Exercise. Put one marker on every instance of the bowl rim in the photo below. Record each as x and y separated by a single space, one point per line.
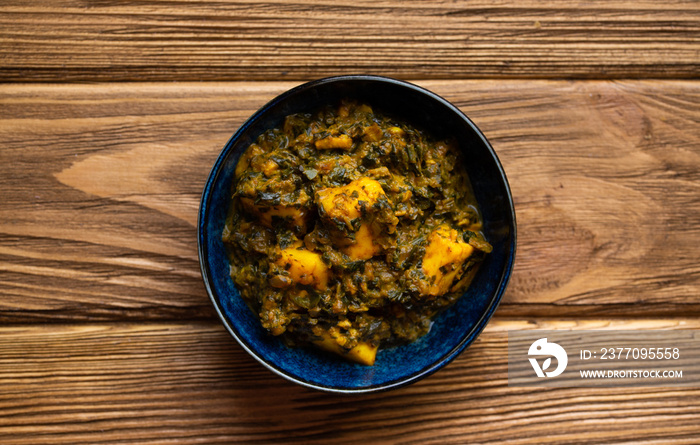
468 338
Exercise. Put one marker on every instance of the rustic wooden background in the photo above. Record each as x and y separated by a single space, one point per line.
112 113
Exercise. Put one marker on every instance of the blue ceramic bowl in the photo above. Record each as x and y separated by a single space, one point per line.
453 330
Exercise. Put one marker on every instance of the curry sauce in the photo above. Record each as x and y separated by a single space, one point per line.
351 230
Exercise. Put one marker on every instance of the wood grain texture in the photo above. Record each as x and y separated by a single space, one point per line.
271 40
101 186
190 383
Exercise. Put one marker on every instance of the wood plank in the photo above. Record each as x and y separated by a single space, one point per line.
70 40
100 188
190 383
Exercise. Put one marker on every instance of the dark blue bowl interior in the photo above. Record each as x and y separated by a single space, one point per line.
454 329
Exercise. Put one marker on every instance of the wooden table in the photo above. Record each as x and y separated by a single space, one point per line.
112 113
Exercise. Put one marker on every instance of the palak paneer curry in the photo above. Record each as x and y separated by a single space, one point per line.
350 230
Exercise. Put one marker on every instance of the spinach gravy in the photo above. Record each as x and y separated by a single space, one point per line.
350 230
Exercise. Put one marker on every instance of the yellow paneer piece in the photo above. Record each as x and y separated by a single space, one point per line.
444 256
297 217
304 266
363 353
269 168
342 141
346 202
364 247
397 131
373 133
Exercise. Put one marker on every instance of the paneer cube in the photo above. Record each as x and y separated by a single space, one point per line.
372 133
304 266
364 353
350 201
397 131
364 246
353 206
343 141
444 256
